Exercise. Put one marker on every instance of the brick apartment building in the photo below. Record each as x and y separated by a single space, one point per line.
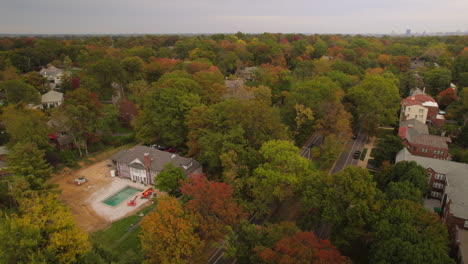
415 136
449 183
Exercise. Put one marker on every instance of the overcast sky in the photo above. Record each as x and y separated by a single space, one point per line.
214 16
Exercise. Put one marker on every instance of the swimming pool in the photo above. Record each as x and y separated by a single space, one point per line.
120 196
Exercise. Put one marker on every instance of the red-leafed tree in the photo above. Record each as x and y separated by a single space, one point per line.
128 111
213 204
447 97
303 247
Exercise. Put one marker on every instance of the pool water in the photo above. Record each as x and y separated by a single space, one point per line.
121 196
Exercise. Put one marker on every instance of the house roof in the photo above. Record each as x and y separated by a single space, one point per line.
52 97
51 71
158 158
420 99
456 174
417 132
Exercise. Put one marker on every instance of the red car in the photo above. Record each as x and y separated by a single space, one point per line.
172 150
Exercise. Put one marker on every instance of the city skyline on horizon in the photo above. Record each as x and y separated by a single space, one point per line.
211 16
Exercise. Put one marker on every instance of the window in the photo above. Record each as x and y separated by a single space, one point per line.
438 185
439 176
437 195
420 116
421 111
425 150
414 148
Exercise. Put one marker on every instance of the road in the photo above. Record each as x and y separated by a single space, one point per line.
346 157
315 140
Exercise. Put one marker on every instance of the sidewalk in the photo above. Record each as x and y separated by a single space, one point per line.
369 146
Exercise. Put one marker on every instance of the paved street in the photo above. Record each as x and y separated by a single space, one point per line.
346 157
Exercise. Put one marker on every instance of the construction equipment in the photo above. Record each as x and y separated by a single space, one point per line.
146 194
80 180
132 202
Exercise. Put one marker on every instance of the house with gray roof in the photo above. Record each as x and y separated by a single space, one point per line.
449 183
143 164
53 75
51 99
415 136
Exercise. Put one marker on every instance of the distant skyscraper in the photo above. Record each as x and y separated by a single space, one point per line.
408 32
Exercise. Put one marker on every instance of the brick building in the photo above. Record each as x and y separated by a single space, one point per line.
415 136
423 108
449 183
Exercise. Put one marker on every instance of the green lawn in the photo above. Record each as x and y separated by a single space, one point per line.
363 154
118 239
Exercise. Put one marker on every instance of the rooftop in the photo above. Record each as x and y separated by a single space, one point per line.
417 132
158 158
52 97
456 174
420 99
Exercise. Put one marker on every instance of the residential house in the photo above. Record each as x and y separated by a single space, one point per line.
415 136
449 183
53 75
143 164
51 99
423 108
247 73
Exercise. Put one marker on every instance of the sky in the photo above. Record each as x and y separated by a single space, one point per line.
226 16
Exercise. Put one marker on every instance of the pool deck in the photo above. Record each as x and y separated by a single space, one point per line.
111 213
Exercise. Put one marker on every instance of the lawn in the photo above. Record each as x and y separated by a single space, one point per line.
363 154
121 237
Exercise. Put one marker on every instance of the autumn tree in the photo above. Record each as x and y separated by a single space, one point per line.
213 204
168 234
42 231
139 89
377 101
406 232
170 179
25 125
300 247
78 117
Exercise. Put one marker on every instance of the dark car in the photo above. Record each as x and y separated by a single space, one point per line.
354 136
160 147
357 154
172 150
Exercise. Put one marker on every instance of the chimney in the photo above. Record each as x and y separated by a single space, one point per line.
147 160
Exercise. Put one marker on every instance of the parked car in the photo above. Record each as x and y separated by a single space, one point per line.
357 154
354 136
160 147
172 150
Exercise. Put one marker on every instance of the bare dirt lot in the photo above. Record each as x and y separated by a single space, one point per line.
77 197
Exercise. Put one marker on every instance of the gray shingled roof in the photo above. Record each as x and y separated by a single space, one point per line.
430 140
418 133
158 158
457 178
416 125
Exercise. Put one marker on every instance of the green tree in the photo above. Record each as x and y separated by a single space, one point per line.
386 149
377 101
408 233
280 176
403 191
170 179
134 68
437 80
139 89
17 91
42 231
342 206
25 125
405 171
163 116
27 162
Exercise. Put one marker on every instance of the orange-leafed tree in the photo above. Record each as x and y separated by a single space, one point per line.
213 204
168 234
303 247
